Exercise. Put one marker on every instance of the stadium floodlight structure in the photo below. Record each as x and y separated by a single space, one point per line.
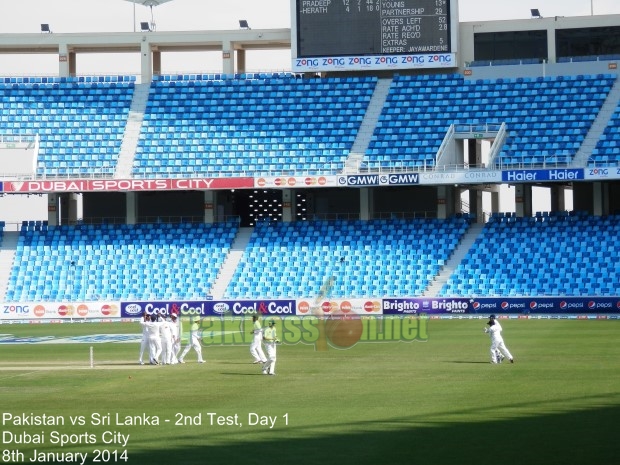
145 26
243 24
45 28
535 13
150 4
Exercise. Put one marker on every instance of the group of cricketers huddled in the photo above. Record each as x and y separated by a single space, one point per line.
161 338
161 335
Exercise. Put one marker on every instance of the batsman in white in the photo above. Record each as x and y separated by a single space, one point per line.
271 339
497 341
256 347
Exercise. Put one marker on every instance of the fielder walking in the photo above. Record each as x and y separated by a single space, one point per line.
498 347
271 339
256 347
193 342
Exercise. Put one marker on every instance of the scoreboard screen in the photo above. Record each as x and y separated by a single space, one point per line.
326 32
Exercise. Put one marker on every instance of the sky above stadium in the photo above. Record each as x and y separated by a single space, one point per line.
66 16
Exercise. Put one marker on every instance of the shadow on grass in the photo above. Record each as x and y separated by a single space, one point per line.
466 361
232 373
579 437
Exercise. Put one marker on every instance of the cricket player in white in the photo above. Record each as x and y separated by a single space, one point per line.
175 327
271 339
152 328
497 341
256 348
166 342
144 344
194 342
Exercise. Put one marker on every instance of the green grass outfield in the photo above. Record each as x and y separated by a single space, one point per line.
434 402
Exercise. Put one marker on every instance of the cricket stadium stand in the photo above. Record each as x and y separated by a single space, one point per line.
563 113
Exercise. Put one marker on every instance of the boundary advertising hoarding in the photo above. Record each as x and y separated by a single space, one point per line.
426 178
325 308
39 311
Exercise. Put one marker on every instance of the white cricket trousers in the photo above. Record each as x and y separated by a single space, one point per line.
270 366
499 345
256 348
194 343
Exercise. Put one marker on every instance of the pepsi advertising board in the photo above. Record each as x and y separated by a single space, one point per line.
545 305
506 305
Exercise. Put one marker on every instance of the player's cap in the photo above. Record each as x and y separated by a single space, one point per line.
272 322
173 315
492 317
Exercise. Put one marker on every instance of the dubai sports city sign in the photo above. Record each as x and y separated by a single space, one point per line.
427 178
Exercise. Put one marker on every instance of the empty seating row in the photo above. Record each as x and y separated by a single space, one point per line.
361 258
538 255
268 112
114 262
540 113
422 105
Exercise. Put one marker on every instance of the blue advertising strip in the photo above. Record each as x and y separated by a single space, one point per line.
209 308
392 306
546 305
434 306
505 305
559 175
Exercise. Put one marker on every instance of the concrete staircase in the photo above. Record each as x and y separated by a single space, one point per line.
582 156
367 127
457 256
230 263
7 257
132 131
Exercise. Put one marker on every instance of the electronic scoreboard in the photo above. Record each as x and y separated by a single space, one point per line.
332 35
